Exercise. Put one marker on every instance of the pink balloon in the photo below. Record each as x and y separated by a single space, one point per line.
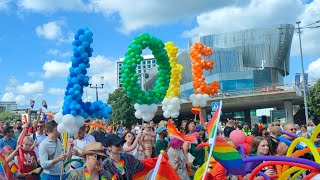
238 137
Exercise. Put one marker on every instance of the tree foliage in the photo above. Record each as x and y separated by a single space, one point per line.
122 108
7 116
314 98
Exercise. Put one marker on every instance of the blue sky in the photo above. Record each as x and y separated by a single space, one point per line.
35 36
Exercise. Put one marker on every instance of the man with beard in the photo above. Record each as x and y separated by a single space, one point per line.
18 129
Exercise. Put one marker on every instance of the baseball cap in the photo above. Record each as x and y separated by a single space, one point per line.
113 139
161 129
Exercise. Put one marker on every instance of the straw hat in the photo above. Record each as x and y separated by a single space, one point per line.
94 148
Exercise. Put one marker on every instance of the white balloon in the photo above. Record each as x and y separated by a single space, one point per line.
171 108
199 97
58 117
68 120
177 108
73 130
138 114
147 117
195 104
175 100
192 97
206 97
175 114
203 103
136 106
166 114
165 101
154 108
164 108
61 128
79 121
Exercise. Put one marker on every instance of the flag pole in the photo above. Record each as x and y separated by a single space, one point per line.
212 142
156 168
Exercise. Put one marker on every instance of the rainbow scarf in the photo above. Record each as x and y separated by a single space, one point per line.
213 123
87 174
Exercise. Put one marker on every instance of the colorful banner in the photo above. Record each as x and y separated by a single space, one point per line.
297 84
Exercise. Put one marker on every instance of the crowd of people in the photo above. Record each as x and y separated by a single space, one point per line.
37 151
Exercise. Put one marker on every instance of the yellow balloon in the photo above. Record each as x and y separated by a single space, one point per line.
288 172
176 71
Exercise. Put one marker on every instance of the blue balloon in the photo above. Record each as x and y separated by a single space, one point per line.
78 107
82 66
77 54
73 113
77 70
81 49
80 31
71 91
85 55
88 33
77 93
80 77
82 38
74 80
76 36
85 44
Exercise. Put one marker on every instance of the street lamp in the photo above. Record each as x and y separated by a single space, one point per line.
302 67
96 87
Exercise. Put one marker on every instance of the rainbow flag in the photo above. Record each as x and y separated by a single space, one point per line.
179 135
195 110
212 125
14 168
165 171
228 157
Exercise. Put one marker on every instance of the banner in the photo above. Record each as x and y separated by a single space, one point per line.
297 84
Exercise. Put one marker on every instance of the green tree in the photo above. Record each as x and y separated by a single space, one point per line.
314 98
7 116
122 108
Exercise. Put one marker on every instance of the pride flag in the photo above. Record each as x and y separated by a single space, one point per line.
14 168
195 110
228 157
165 171
179 135
213 123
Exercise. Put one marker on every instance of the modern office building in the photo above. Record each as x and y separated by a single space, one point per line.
244 61
147 64
9 105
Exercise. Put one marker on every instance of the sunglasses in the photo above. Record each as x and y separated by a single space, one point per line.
98 157
293 129
39 126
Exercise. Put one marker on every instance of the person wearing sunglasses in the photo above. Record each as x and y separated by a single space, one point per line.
39 136
94 153
119 165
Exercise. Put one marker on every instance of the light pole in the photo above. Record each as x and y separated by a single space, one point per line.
302 67
96 86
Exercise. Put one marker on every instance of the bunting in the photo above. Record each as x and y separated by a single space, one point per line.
32 103
44 104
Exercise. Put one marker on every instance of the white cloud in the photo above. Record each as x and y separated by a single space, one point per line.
310 37
257 13
56 69
8 96
56 91
260 13
313 70
4 4
21 100
52 5
59 53
50 30
31 88
137 14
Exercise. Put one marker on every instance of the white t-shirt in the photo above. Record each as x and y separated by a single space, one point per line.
38 139
133 152
182 170
79 145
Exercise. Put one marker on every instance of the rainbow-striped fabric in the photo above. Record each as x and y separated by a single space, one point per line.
213 123
228 157
179 135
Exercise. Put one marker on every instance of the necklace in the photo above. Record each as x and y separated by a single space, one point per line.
119 169
87 174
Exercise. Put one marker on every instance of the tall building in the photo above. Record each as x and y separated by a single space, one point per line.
9 105
147 64
245 60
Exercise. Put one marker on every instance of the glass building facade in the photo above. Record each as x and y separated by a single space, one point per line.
244 61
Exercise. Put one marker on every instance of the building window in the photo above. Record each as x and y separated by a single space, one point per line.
148 62
153 61
149 66
139 71
144 62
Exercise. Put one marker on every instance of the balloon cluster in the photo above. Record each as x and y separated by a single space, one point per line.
74 110
198 64
129 78
171 107
171 102
145 112
199 100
